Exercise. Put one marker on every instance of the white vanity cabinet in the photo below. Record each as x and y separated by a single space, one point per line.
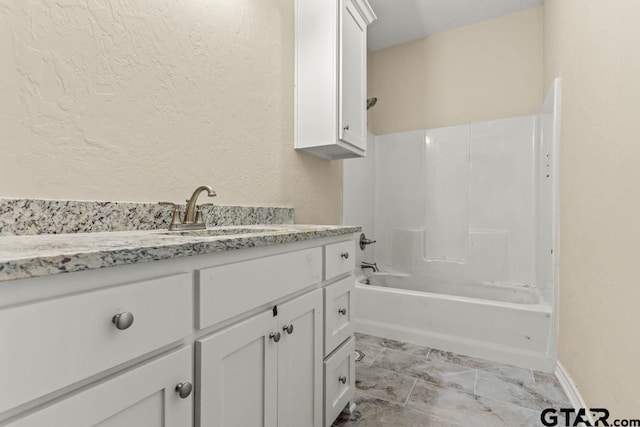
227 339
331 77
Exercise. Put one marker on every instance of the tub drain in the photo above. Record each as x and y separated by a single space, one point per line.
358 355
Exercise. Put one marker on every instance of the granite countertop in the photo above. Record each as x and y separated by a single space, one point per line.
41 255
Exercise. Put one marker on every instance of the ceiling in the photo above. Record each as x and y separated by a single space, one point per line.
400 21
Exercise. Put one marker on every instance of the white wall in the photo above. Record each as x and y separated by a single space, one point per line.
593 46
145 100
484 71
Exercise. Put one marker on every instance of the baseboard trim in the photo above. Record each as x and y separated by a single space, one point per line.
569 387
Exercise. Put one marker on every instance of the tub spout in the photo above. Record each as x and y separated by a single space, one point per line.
372 265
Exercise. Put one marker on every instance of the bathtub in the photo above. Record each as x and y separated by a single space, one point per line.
501 323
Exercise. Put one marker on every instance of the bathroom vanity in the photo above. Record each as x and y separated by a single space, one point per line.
220 329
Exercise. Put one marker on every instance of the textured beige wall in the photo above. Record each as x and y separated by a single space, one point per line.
593 46
484 71
145 100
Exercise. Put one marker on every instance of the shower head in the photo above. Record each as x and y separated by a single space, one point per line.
371 102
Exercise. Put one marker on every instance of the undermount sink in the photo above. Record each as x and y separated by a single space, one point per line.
222 231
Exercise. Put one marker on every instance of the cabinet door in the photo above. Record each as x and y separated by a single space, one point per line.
300 362
238 375
353 45
144 396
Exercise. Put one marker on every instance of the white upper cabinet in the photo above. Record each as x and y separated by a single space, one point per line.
331 77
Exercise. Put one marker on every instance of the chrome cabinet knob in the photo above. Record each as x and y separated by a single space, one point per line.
275 336
123 320
345 255
342 311
184 389
288 328
343 380
346 127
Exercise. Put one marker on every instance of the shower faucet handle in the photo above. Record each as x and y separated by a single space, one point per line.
364 241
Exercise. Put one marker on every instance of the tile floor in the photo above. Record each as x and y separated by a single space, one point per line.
400 384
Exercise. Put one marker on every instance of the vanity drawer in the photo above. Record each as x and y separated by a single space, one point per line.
339 381
230 290
338 325
339 258
51 344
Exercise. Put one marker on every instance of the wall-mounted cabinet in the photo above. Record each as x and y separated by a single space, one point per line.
331 77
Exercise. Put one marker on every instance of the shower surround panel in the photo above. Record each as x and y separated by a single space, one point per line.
457 204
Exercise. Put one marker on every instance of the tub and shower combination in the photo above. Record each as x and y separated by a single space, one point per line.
465 222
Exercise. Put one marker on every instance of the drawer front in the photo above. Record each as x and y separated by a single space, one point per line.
339 381
55 343
338 325
339 259
229 290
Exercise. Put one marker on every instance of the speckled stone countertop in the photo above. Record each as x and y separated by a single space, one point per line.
41 216
42 255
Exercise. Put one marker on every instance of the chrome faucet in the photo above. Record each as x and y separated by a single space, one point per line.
372 265
192 219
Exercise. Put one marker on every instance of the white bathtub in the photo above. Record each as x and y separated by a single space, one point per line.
516 294
515 330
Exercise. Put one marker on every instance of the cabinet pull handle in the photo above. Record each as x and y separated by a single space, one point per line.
343 380
123 320
275 336
184 389
342 311
288 328
345 255
346 127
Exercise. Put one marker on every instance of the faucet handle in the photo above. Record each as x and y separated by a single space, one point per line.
364 241
176 216
175 219
199 215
